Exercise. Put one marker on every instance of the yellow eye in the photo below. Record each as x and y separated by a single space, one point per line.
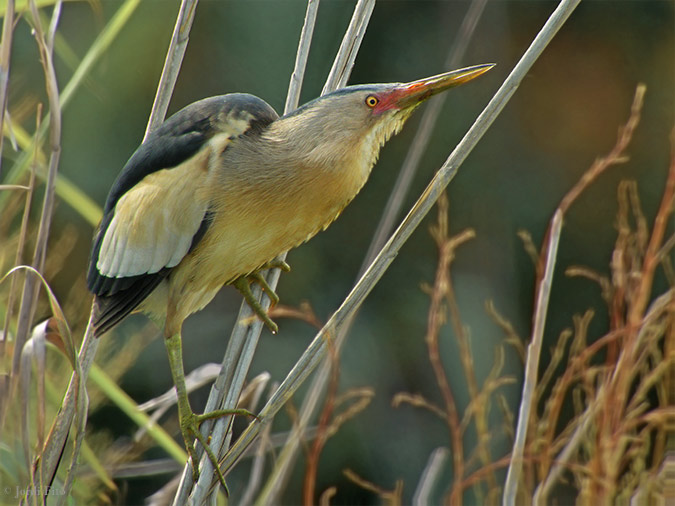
371 101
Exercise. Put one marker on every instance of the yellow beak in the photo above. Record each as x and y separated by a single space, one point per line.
411 94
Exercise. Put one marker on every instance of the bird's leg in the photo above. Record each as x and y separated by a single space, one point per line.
188 420
243 284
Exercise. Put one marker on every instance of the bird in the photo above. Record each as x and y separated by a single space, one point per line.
223 187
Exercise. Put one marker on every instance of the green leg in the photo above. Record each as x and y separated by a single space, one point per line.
243 284
189 421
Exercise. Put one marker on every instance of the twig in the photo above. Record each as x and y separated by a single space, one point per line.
316 351
615 156
532 362
418 401
651 259
303 313
172 64
99 46
5 58
298 75
430 476
76 392
620 381
391 497
18 260
436 319
31 286
447 246
346 55
540 497
284 463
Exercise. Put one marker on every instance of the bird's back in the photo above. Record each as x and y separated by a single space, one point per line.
157 210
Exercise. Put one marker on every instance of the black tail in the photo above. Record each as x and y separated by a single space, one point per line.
112 309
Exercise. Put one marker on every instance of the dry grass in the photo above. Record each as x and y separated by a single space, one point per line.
614 447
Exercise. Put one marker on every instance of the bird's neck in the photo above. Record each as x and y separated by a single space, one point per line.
325 149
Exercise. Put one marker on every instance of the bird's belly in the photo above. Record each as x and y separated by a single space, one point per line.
254 223
236 245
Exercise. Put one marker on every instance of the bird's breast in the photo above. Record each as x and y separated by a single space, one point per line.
255 219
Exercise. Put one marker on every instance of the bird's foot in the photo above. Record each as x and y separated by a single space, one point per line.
243 284
189 427
276 264
189 421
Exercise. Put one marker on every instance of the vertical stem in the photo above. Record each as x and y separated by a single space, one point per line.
53 448
532 362
298 75
339 73
51 454
434 324
351 42
5 57
18 260
244 339
31 285
172 64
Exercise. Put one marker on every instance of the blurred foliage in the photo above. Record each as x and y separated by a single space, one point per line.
564 115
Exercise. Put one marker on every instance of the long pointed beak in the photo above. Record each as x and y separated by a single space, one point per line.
411 94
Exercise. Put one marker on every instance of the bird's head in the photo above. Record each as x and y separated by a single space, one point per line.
360 119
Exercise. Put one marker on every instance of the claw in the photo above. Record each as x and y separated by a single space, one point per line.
276 264
243 284
256 277
189 426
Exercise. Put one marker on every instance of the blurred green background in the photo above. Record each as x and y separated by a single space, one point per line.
564 115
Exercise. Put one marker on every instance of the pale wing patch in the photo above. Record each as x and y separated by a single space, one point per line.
155 221
231 126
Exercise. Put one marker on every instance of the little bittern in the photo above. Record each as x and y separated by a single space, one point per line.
223 187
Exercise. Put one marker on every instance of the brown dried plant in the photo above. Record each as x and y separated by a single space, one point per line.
616 445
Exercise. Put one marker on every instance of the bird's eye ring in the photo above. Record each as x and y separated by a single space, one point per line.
371 101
